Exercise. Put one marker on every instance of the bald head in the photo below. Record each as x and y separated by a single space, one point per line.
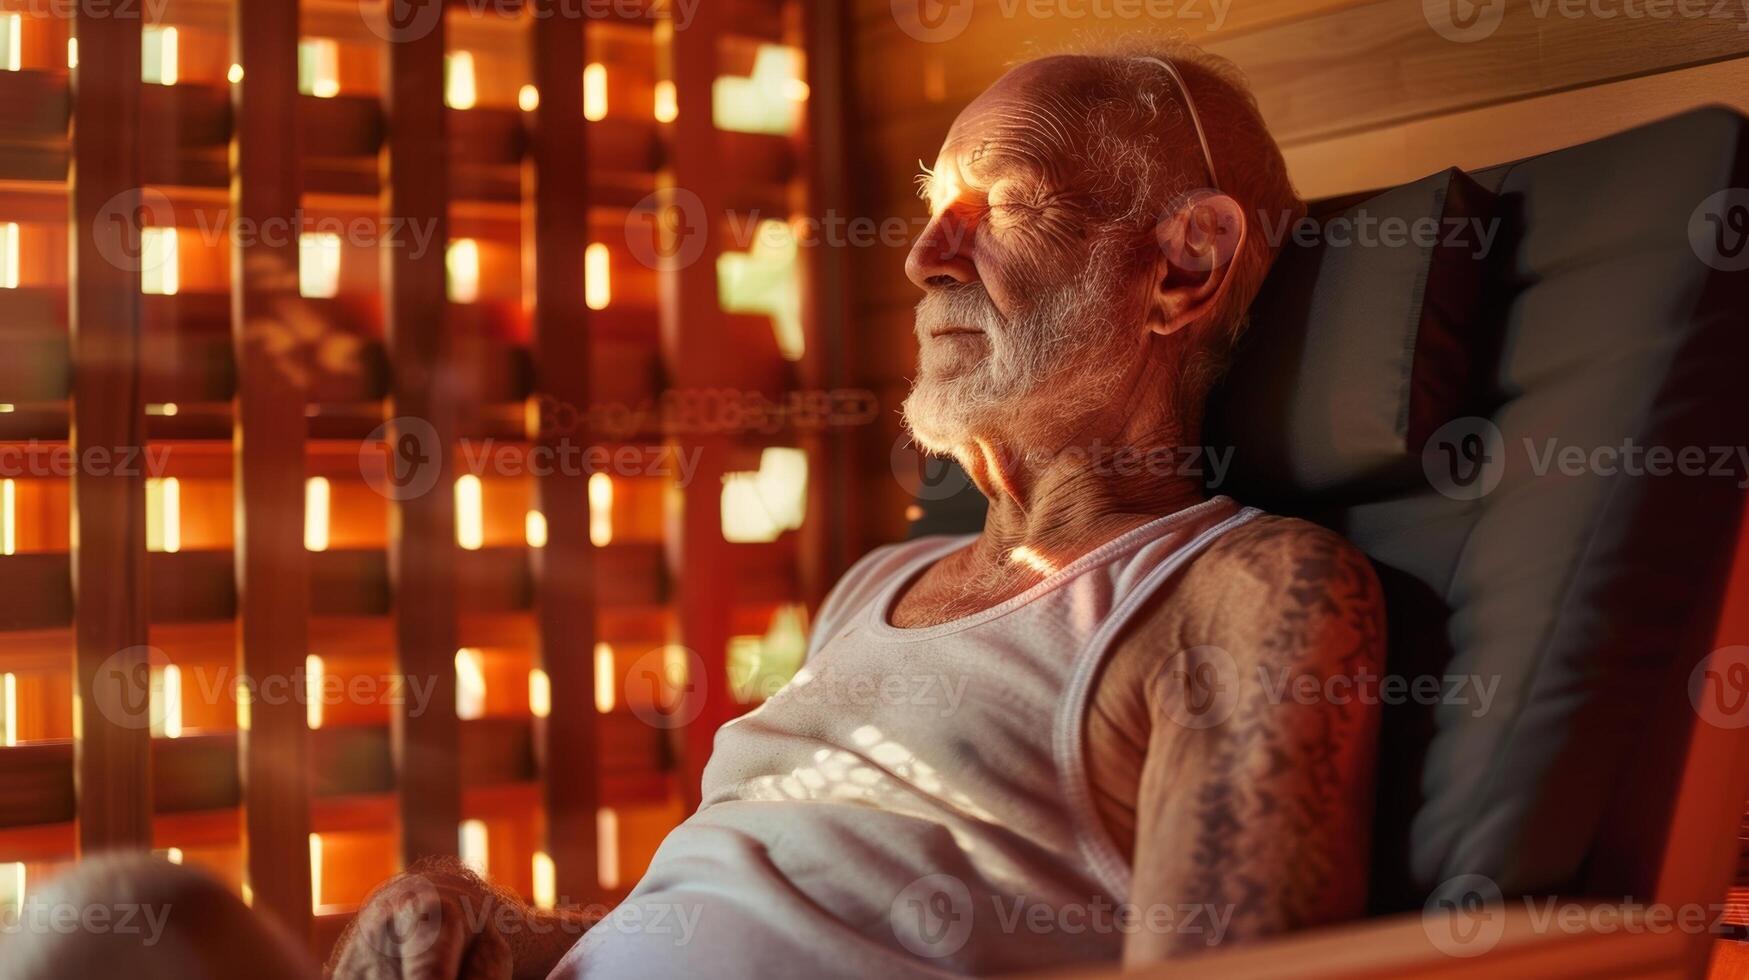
1075 232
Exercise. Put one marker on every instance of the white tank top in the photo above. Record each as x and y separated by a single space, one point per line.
915 801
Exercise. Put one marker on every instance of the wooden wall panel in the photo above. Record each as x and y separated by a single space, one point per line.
695 351
565 594
833 501
254 388
423 549
112 769
1477 138
272 574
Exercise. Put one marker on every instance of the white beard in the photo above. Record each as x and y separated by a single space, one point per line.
1038 376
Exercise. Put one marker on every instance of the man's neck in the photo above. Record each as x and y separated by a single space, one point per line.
1045 511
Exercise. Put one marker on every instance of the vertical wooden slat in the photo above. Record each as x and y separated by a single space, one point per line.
565 584
112 767
827 548
268 435
694 350
422 549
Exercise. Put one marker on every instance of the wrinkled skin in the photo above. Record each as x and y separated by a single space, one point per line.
440 921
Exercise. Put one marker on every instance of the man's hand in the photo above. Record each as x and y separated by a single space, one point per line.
441 921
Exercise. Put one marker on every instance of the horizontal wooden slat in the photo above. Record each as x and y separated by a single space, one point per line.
39 784
1355 67
349 582
186 353
198 771
1510 131
341 138
196 586
765 572
190 586
38 592
476 27
366 813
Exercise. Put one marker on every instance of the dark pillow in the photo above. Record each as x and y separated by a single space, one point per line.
1362 342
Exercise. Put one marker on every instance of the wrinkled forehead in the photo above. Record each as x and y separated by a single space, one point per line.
1033 119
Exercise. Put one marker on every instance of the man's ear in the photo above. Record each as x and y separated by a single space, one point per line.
1198 238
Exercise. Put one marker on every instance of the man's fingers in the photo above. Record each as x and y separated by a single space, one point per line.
428 934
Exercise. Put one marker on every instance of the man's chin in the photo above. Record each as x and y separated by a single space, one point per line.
935 422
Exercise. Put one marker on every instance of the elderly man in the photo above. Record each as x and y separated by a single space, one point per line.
1124 772
1083 734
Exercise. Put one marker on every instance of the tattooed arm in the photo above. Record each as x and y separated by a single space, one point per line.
1255 797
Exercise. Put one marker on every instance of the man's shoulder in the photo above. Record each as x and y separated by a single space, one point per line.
1270 553
1269 584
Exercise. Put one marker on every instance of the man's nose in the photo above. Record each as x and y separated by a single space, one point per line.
942 254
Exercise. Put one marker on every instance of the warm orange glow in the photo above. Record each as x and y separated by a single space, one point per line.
160 262
474 845
1025 555
606 678
8 517
607 840
941 186
316 501
8 709
545 881
164 514
597 289
540 693
667 105
315 872
8 255
470 684
470 524
463 263
315 675
158 55
11 42
319 67
459 91
595 92
600 509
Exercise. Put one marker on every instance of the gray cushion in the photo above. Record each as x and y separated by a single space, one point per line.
1586 598
1393 285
